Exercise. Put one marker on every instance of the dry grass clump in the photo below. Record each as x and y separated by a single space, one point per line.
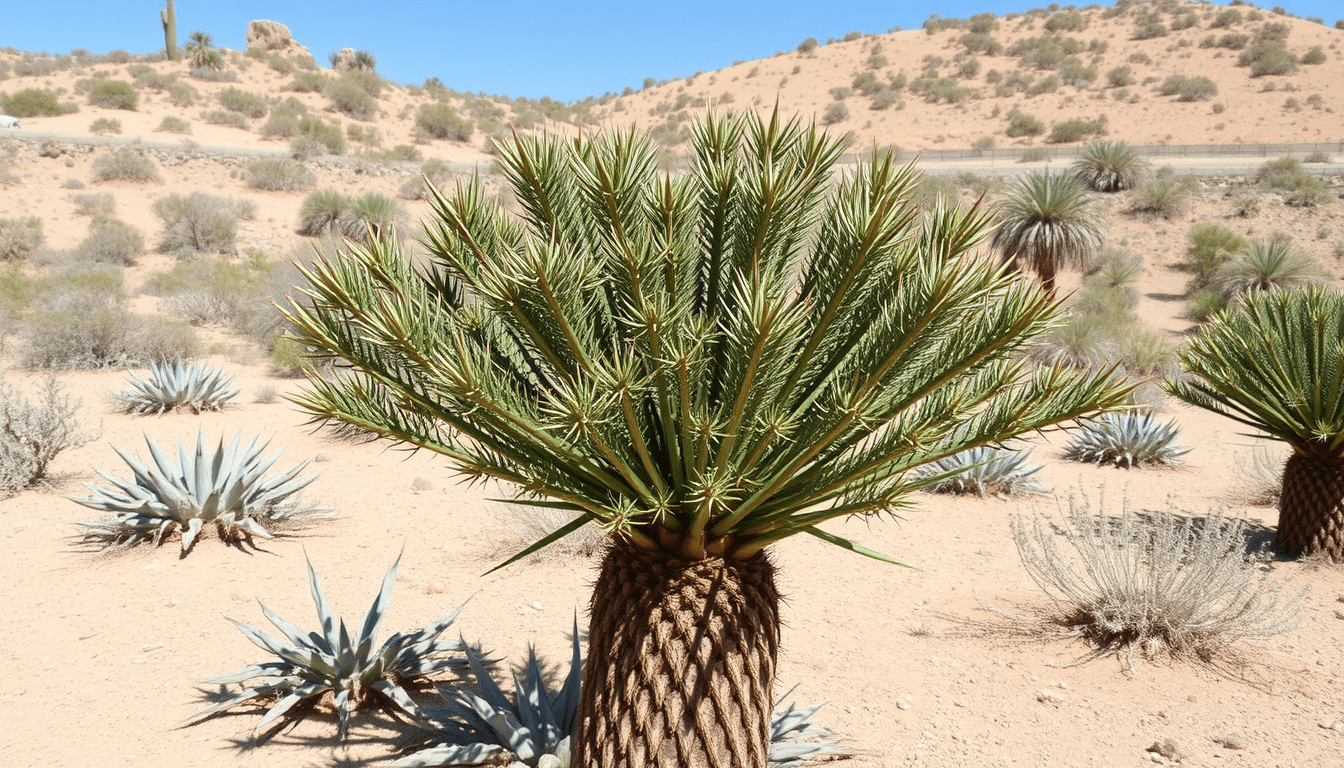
1259 474
20 237
112 241
94 204
525 525
1160 584
125 165
31 434
280 175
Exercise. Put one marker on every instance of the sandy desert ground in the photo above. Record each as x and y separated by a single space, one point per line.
105 652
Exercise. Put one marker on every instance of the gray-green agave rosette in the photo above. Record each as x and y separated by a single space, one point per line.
1127 439
226 486
178 385
352 669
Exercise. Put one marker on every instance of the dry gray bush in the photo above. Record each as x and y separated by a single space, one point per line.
94 204
197 222
125 165
204 307
20 237
525 525
1259 474
90 328
31 434
1162 584
265 394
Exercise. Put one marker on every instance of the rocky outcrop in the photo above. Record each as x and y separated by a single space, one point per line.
274 36
344 60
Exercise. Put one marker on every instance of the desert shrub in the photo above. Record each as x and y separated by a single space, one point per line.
367 80
1267 56
112 241
307 82
1034 155
984 471
883 99
197 223
284 120
404 153
90 332
94 204
1204 304
1157 585
1048 84
288 358
182 94
371 214
1259 475
1317 157
1149 26
279 175
1183 21
105 125
172 124
213 74
1302 189
33 433
1264 265
442 122
1066 21
1196 88
835 112
415 189
1211 245
113 94
521 523
1167 197
32 102
322 212
245 103
1227 17
1076 130
1023 124
20 237
348 98
328 136
125 165
807 46
977 43
223 117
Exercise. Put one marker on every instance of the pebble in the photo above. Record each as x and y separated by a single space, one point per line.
1168 748
174 602
421 484
536 605
903 706
1337 726
152 565
548 761
1050 697
1232 741
322 457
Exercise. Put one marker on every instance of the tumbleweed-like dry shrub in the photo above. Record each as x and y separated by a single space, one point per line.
1156 584
31 434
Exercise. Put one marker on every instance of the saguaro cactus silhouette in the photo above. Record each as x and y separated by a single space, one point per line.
169 18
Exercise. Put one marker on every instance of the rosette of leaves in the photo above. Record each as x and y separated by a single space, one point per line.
986 470
1127 439
536 728
350 668
226 487
178 385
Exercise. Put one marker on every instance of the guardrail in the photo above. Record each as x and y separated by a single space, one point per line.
1013 154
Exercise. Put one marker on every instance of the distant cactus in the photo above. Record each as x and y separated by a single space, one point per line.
169 18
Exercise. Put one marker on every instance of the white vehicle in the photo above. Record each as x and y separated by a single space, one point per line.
8 122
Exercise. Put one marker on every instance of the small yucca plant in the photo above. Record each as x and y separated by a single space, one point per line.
1109 166
488 728
984 471
1127 439
332 662
178 385
1161 584
1267 264
226 486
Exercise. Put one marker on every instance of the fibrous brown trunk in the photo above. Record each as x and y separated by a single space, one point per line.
681 662
1311 507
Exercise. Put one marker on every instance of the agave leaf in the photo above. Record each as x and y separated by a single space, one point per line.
368 632
286 703
452 755
489 690
293 633
189 534
266 668
397 695
342 704
247 695
324 614
566 702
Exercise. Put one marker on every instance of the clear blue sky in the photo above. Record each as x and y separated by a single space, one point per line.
565 50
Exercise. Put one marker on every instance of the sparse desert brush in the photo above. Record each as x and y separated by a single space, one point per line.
279 175
1164 197
178 384
1196 88
322 212
1259 474
442 122
214 74
1314 57
1034 155
1023 124
225 487
125 165
1204 304
1145 352
1211 246
370 216
1109 166
1127 439
224 117
1266 264
326 135
19 238
105 125
1070 131
172 124
524 523
434 171
1246 205
112 241
89 333
1301 189
253 105
1160 584
983 471
284 120
1268 55
33 102
349 98
353 671
113 94
1120 77
307 82
1317 157
197 222
288 358
265 394
32 434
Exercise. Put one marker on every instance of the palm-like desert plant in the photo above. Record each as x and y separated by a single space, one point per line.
201 48
178 385
1266 264
703 364
225 486
1049 222
351 669
1109 166
1277 366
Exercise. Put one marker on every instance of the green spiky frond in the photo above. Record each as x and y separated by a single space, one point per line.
1276 366
703 363
1049 222
1109 166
